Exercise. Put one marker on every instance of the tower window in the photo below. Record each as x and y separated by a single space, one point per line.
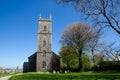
45 28
44 53
44 43
43 64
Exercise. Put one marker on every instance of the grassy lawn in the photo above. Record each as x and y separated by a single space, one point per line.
6 74
69 76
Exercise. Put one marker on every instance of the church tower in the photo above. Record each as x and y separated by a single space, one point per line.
44 59
44 34
44 55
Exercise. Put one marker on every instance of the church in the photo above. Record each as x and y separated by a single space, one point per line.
44 59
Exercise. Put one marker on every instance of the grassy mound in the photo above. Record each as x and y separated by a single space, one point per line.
69 76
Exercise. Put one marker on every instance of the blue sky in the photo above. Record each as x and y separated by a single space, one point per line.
19 27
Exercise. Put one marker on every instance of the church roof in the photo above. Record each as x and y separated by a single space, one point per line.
55 54
41 52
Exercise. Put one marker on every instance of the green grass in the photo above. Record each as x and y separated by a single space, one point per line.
6 74
69 76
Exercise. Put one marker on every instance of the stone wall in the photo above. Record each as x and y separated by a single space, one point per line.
40 59
44 35
32 63
55 62
36 62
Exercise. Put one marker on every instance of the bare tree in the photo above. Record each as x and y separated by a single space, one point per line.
103 12
99 57
93 45
77 36
112 52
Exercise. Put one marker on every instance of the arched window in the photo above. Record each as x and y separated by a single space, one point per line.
45 28
44 43
43 64
44 53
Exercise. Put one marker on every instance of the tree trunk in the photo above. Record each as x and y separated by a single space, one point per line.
93 56
80 59
68 67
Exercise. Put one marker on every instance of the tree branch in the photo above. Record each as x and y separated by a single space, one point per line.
109 22
116 22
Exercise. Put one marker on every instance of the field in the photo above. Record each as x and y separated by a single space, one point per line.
69 76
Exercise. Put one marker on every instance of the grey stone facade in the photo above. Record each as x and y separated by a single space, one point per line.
44 59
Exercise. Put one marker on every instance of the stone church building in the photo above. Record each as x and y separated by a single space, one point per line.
44 59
